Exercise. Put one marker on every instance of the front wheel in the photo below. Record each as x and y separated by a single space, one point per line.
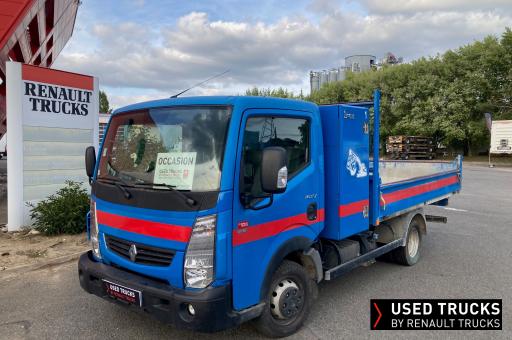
288 301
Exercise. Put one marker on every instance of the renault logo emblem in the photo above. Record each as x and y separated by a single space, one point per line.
133 252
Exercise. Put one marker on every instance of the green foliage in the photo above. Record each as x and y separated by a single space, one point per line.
443 96
104 104
63 212
279 93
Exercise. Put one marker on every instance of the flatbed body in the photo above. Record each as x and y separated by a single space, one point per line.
407 185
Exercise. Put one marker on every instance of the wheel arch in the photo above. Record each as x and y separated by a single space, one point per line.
419 217
296 249
422 222
398 227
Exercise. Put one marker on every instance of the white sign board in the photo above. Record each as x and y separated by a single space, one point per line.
52 117
176 169
501 137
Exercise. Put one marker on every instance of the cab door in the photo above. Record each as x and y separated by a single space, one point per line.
262 224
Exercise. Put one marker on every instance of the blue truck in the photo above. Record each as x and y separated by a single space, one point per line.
207 212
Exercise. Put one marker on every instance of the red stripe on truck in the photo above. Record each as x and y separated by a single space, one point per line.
419 189
145 227
352 208
268 229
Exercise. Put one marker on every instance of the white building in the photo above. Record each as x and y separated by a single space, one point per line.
360 62
354 63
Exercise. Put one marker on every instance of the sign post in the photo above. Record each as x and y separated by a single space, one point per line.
52 117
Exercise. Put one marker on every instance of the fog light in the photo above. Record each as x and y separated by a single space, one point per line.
191 310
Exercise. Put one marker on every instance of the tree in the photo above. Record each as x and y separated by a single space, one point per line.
443 96
279 93
104 104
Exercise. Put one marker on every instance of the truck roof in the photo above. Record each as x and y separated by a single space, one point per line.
242 101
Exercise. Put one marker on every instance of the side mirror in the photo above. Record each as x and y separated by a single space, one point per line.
274 174
90 161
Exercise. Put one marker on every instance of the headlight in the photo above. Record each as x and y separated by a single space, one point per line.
200 256
94 232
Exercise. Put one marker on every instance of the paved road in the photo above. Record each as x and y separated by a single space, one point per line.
467 258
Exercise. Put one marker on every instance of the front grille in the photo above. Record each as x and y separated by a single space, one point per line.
147 255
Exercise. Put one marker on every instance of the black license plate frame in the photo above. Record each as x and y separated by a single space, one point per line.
122 293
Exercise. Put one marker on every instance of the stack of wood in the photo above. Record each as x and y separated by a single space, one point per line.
410 147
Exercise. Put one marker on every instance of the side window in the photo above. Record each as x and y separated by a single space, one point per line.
261 132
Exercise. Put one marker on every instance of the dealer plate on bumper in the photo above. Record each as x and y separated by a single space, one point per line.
123 293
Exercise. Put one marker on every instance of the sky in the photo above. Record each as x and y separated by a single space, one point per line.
147 49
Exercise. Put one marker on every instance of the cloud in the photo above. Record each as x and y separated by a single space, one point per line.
119 100
164 59
415 6
325 6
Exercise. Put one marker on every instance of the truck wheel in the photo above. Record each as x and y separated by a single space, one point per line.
288 301
410 254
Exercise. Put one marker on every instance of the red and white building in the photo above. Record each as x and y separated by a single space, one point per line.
32 32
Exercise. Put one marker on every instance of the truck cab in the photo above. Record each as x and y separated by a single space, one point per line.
210 211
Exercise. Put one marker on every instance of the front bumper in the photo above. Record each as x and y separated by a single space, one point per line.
212 305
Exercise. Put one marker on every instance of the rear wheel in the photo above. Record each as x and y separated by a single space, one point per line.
288 301
410 253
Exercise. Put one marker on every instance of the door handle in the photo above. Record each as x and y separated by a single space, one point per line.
311 212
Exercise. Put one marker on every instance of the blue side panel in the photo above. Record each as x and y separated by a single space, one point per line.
346 150
266 231
223 267
354 171
253 275
331 132
258 234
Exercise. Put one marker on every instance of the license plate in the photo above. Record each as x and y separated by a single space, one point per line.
123 293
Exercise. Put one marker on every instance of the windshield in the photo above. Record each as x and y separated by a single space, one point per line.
181 147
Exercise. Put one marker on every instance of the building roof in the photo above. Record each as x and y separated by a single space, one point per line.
33 32
361 55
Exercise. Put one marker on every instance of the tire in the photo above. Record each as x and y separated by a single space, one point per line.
290 278
410 254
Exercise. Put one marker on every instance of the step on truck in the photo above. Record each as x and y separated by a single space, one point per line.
207 212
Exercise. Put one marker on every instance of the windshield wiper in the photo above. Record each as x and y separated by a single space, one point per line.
120 184
188 200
